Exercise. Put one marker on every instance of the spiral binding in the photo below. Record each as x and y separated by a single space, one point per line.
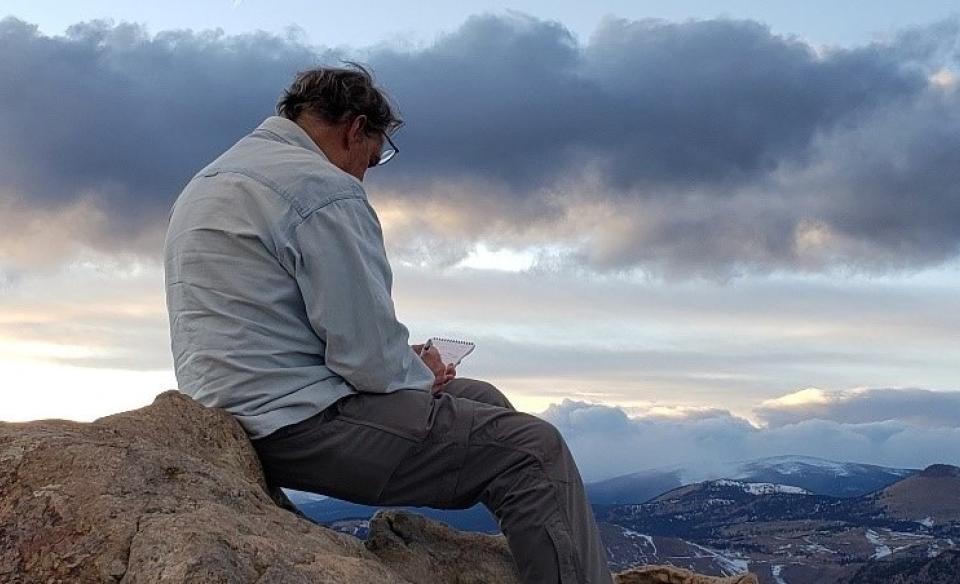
452 341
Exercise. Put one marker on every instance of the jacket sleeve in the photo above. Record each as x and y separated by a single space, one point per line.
343 274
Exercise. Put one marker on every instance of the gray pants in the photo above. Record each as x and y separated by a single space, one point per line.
449 451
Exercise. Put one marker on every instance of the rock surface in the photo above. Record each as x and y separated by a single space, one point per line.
424 551
173 492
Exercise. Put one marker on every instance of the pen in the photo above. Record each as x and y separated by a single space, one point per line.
426 346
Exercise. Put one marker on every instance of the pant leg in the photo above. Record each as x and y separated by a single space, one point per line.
444 451
520 468
477 390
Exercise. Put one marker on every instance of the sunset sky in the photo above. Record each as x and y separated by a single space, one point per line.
678 232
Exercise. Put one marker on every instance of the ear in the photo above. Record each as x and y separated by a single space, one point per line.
358 129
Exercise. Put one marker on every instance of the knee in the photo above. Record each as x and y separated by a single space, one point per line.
488 393
497 397
547 440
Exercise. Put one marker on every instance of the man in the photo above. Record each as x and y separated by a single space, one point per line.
279 297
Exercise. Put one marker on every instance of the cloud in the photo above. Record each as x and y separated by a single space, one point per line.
705 147
607 442
656 104
113 318
111 114
919 407
710 147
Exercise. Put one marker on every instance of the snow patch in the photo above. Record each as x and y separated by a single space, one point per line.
926 521
777 578
730 564
881 550
818 548
642 536
797 464
762 488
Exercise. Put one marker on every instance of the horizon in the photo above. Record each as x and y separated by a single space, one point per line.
673 235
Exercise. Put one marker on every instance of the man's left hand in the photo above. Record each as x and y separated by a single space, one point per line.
449 374
441 371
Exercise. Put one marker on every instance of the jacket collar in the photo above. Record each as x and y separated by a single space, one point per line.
288 131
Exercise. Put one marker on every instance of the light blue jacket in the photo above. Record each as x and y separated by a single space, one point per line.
278 287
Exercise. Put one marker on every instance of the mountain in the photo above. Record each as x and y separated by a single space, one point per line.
786 534
637 487
820 476
817 475
699 510
931 497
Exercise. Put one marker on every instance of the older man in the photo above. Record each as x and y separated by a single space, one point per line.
279 297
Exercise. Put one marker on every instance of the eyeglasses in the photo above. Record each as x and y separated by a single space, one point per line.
388 153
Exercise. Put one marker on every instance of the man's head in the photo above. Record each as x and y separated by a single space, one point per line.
344 113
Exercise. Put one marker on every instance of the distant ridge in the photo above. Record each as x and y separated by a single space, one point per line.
940 471
816 475
931 497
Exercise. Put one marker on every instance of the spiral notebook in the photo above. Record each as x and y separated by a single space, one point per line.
452 351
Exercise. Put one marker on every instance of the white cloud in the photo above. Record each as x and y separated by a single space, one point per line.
916 406
802 397
99 311
607 442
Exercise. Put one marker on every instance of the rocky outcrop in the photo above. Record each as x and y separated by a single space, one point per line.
173 492
424 551
168 493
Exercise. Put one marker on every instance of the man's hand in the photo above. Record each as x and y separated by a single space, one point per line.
441 371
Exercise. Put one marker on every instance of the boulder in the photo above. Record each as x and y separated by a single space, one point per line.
173 492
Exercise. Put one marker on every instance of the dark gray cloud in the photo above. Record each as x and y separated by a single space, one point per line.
113 111
655 104
711 147
919 407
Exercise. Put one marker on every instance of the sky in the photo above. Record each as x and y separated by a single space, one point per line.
678 231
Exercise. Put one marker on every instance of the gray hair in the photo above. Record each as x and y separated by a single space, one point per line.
334 94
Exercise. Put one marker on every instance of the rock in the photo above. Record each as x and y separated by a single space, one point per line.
174 492
671 575
427 552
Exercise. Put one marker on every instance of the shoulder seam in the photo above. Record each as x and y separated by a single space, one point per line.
273 186
260 179
331 199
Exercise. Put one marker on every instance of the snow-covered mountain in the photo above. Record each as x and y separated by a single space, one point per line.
816 475
820 476
788 535
303 497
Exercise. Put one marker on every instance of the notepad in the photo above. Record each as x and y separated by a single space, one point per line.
452 351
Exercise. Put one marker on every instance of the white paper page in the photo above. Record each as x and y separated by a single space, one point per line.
452 350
